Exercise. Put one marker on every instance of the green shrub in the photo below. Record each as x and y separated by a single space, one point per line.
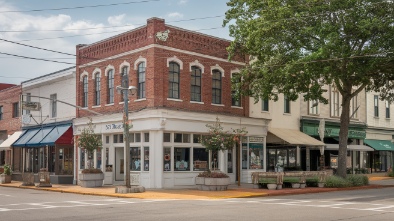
357 180
312 181
291 179
7 169
267 180
336 182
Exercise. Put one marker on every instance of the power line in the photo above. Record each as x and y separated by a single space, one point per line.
13 42
80 7
39 59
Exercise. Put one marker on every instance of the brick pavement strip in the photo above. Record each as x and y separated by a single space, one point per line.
233 192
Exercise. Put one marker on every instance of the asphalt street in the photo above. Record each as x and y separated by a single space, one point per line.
360 205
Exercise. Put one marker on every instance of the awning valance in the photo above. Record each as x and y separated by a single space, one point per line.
349 147
46 135
293 137
10 140
381 145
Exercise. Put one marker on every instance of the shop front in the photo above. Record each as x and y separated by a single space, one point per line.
6 150
358 155
165 149
382 159
47 147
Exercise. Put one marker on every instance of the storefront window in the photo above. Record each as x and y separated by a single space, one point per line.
167 159
81 159
146 158
98 159
135 158
230 161
137 137
146 137
200 159
196 138
272 160
256 156
182 159
292 157
281 159
167 137
215 160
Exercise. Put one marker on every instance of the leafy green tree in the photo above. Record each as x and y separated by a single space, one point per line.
297 46
89 141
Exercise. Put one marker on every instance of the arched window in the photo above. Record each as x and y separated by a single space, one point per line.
195 84
141 80
85 91
124 79
173 84
110 91
97 91
216 87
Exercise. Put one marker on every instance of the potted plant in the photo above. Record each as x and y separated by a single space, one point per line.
6 175
89 141
270 183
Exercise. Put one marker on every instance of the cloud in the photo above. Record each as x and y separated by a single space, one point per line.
182 2
116 20
175 15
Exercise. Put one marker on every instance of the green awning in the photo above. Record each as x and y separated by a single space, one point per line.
381 145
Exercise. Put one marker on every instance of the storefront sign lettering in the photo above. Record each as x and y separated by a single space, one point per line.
113 126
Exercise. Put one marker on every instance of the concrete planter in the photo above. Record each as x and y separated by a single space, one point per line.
45 179
321 185
90 180
27 179
272 186
295 185
302 185
279 187
212 184
5 178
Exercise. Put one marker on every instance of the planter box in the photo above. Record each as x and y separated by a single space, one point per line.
279 187
5 178
212 184
91 179
27 179
272 186
45 179
302 185
321 185
295 185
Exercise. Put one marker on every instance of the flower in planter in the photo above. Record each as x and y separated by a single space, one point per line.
89 141
7 170
214 174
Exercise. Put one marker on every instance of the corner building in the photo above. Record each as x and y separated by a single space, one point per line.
184 82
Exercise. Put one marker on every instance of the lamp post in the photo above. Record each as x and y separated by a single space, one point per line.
126 89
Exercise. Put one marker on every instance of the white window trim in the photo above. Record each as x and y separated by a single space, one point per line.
174 59
140 60
124 64
95 71
218 68
84 73
108 68
197 64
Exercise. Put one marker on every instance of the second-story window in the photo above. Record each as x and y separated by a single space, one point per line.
376 106
195 90
313 107
354 107
236 102
335 103
15 109
110 92
141 80
1 112
53 105
286 105
123 80
85 91
173 87
387 109
265 105
216 87
97 91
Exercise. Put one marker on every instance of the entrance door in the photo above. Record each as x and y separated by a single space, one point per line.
119 163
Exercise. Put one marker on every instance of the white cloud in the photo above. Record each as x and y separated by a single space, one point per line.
116 20
175 15
182 2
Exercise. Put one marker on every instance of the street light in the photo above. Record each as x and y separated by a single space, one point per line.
126 90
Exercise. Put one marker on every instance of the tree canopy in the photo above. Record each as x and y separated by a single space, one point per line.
297 46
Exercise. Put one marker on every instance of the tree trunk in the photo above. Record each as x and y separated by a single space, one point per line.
343 135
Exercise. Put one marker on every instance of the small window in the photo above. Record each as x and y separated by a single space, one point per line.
141 80
110 87
120 138
1 112
376 105
146 158
131 138
196 138
97 91
115 138
177 138
182 159
85 91
313 107
173 87
146 137
195 84
167 159
53 105
137 137
286 104
200 159
181 138
216 87
15 109
265 105
167 137
387 109
106 139
123 80
82 159
135 158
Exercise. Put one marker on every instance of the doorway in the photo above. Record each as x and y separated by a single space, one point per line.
119 164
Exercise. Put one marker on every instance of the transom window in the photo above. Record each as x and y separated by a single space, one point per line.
195 84
110 92
141 80
97 90
85 91
216 87
173 87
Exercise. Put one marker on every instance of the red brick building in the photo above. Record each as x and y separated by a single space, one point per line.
10 121
184 82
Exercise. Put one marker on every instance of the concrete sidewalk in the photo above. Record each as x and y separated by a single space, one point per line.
234 191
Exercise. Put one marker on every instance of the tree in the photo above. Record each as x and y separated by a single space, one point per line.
219 139
296 46
89 141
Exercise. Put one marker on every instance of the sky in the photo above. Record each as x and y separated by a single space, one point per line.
61 25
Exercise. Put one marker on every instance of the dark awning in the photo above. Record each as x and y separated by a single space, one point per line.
382 145
45 135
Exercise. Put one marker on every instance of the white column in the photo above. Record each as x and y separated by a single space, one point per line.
265 154
156 160
76 154
298 156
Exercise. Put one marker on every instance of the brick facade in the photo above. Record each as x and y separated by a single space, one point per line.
9 124
181 45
